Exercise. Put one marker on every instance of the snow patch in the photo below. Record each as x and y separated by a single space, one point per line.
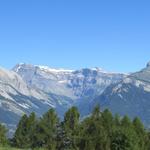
50 104
120 96
46 68
26 106
63 81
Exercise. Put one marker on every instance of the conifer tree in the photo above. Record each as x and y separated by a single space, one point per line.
20 137
23 137
71 124
46 130
3 138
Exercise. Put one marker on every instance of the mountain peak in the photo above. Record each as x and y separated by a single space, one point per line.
41 67
58 70
148 64
21 65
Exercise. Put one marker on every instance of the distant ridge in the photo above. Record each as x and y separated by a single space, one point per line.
27 88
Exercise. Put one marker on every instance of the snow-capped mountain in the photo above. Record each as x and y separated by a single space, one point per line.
28 88
73 84
131 96
17 98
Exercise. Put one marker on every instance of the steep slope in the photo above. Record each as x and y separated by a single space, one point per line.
16 98
130 96
29 88
11 85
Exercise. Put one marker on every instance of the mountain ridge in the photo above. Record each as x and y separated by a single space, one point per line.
131 96
28 88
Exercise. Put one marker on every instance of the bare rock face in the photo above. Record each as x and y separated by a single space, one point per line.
131 96
70 83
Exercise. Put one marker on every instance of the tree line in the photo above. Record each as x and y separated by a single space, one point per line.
98 131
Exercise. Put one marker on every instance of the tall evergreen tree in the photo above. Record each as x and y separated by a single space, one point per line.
96 113
117 120
71 124
140 131
20 136
71 119
23 137
108 121
3 138
46 130
93 134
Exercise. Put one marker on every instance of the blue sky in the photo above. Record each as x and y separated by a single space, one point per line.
73 34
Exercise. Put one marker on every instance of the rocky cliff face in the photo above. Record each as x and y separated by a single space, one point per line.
70 83
130 96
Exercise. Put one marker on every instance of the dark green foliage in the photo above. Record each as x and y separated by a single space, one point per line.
20 137
3 131
71 119
46 131
93 134
108 121
99 131
24 134
141 133
63 141
70 126
120 141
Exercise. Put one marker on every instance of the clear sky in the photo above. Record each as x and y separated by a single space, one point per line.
72 34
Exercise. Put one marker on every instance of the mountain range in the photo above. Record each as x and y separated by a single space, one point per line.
32 88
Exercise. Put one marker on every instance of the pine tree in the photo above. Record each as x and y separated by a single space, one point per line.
63 140
126 122
31 127
108 121
138 126
46 130
120 141
124 136
141 134
3 138
96 113
117 120
93 134
20 137
71 119
23 137
71 124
